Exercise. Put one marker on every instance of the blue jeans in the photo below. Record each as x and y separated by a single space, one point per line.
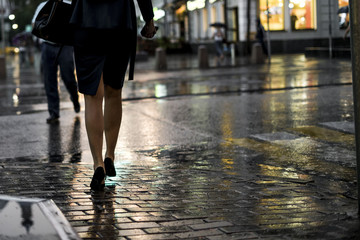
50 69
219 48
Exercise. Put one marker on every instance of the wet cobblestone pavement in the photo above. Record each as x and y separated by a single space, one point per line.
233 165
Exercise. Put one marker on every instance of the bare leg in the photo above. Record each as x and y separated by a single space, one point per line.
112 119
94 121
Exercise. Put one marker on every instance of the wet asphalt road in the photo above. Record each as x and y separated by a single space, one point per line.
252 151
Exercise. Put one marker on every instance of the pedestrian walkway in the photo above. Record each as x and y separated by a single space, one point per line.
265 186
253 152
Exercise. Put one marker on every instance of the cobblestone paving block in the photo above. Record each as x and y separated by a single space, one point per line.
199 234
137 225
170 229
210 225
154 237
182 222
131 232
153 219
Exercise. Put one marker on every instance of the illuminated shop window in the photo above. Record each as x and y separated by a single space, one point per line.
276 14
343 3
343 13
232 24
205 21
302 14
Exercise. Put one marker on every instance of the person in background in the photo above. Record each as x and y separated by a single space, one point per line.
260 35
219 37
50 64
103 48
293 19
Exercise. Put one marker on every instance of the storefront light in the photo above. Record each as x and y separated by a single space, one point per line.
158 14
212 1
180 10
272 11
196 4
302 13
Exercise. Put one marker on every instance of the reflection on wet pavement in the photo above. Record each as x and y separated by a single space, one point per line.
23 89
284 73
55 144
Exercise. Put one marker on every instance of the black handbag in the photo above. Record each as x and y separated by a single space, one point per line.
53 22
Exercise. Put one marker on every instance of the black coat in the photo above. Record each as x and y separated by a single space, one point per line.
112 14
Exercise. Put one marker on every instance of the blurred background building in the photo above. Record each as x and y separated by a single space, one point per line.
294 24
185 24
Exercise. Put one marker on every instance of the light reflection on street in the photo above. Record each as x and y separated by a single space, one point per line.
298 208
16 97
13 61
227 121
280 172
160 90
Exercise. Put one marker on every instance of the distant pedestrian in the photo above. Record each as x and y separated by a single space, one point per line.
24 41
260 35
65 61
22 53
293 20
219 37
103 48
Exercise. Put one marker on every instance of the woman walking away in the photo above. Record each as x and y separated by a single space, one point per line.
105 43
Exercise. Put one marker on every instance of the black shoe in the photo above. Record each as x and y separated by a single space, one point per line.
109 167
97 182
77 107
52 119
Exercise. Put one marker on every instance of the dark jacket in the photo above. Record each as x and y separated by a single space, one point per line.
112 14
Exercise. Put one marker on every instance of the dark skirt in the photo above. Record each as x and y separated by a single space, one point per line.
99 52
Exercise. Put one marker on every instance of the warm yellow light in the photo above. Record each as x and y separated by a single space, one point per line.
180 10
15 26
195 4
11 17
158 14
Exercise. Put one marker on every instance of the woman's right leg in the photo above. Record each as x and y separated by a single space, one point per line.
94 121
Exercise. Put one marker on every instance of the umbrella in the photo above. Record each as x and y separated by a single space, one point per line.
343 10
218 24
21 37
